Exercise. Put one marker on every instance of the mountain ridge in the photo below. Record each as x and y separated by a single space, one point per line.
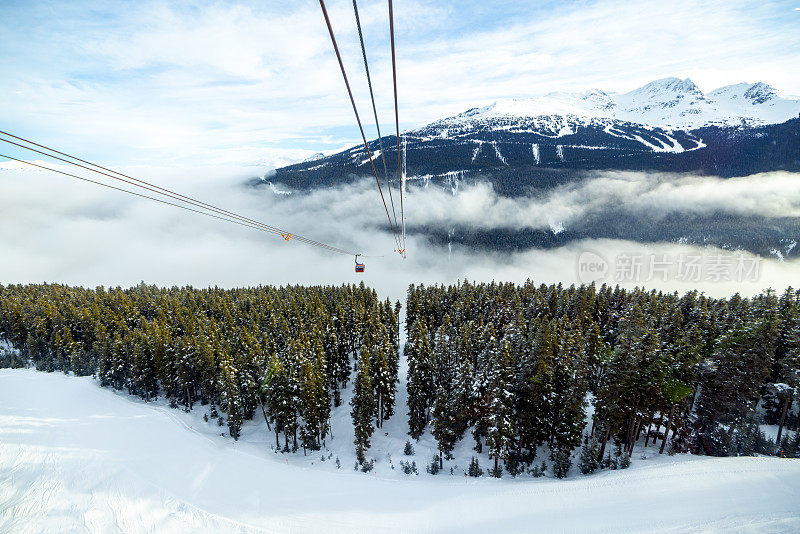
669 103
531 147
593 130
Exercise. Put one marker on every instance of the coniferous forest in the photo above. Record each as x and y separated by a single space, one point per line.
281 354
521 367
521 371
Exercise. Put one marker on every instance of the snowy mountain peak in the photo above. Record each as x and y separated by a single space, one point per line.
668 86
315 157
752 94
758 93
672 103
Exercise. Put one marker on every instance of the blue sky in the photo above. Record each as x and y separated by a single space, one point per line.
256 83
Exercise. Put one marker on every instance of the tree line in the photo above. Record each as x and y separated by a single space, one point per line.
520 370
525 367
283 354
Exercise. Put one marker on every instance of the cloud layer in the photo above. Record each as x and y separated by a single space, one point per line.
639 194
54 229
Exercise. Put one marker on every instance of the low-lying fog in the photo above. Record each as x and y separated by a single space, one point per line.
56 229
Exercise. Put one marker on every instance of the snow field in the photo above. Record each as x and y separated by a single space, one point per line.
77 457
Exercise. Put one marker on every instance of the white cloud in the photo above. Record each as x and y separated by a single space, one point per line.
651 195
210 82
54 229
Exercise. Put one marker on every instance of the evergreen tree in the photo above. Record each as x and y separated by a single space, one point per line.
590 456
743 359
384 378
500 434
420 378
475 468
280 403
569 387
364 406
314 401
230 401
446 408
562 461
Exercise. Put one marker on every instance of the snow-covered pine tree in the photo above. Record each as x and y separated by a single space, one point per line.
364 405
569 386
314 400
590 456
562 461
474 468
115 371
384 374
532 387
500 433
786 370
279 401
230 400
743 359
420 378
446 408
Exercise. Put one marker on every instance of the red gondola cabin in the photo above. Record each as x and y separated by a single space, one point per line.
359 266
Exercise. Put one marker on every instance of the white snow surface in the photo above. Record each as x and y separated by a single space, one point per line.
315 157
668 103
75 457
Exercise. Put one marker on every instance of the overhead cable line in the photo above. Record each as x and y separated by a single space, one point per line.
248 225
130 192
358 120
374 109
130 180
197 206
397 125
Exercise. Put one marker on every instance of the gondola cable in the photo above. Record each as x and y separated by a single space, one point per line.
397 125
252 226
260 227
374 109
133 193
126 178
358 120
160 190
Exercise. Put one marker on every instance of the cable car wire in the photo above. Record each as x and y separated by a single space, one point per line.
132 192
358 119
254 227
125 178
397 125
160 190
374 109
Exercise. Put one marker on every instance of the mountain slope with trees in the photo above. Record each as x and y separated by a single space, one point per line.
533 377
524 366
283 354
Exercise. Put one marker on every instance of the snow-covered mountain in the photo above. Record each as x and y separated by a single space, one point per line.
669 103
525 146
314 157
667 125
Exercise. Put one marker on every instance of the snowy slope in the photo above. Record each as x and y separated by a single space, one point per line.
77 457
668 103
